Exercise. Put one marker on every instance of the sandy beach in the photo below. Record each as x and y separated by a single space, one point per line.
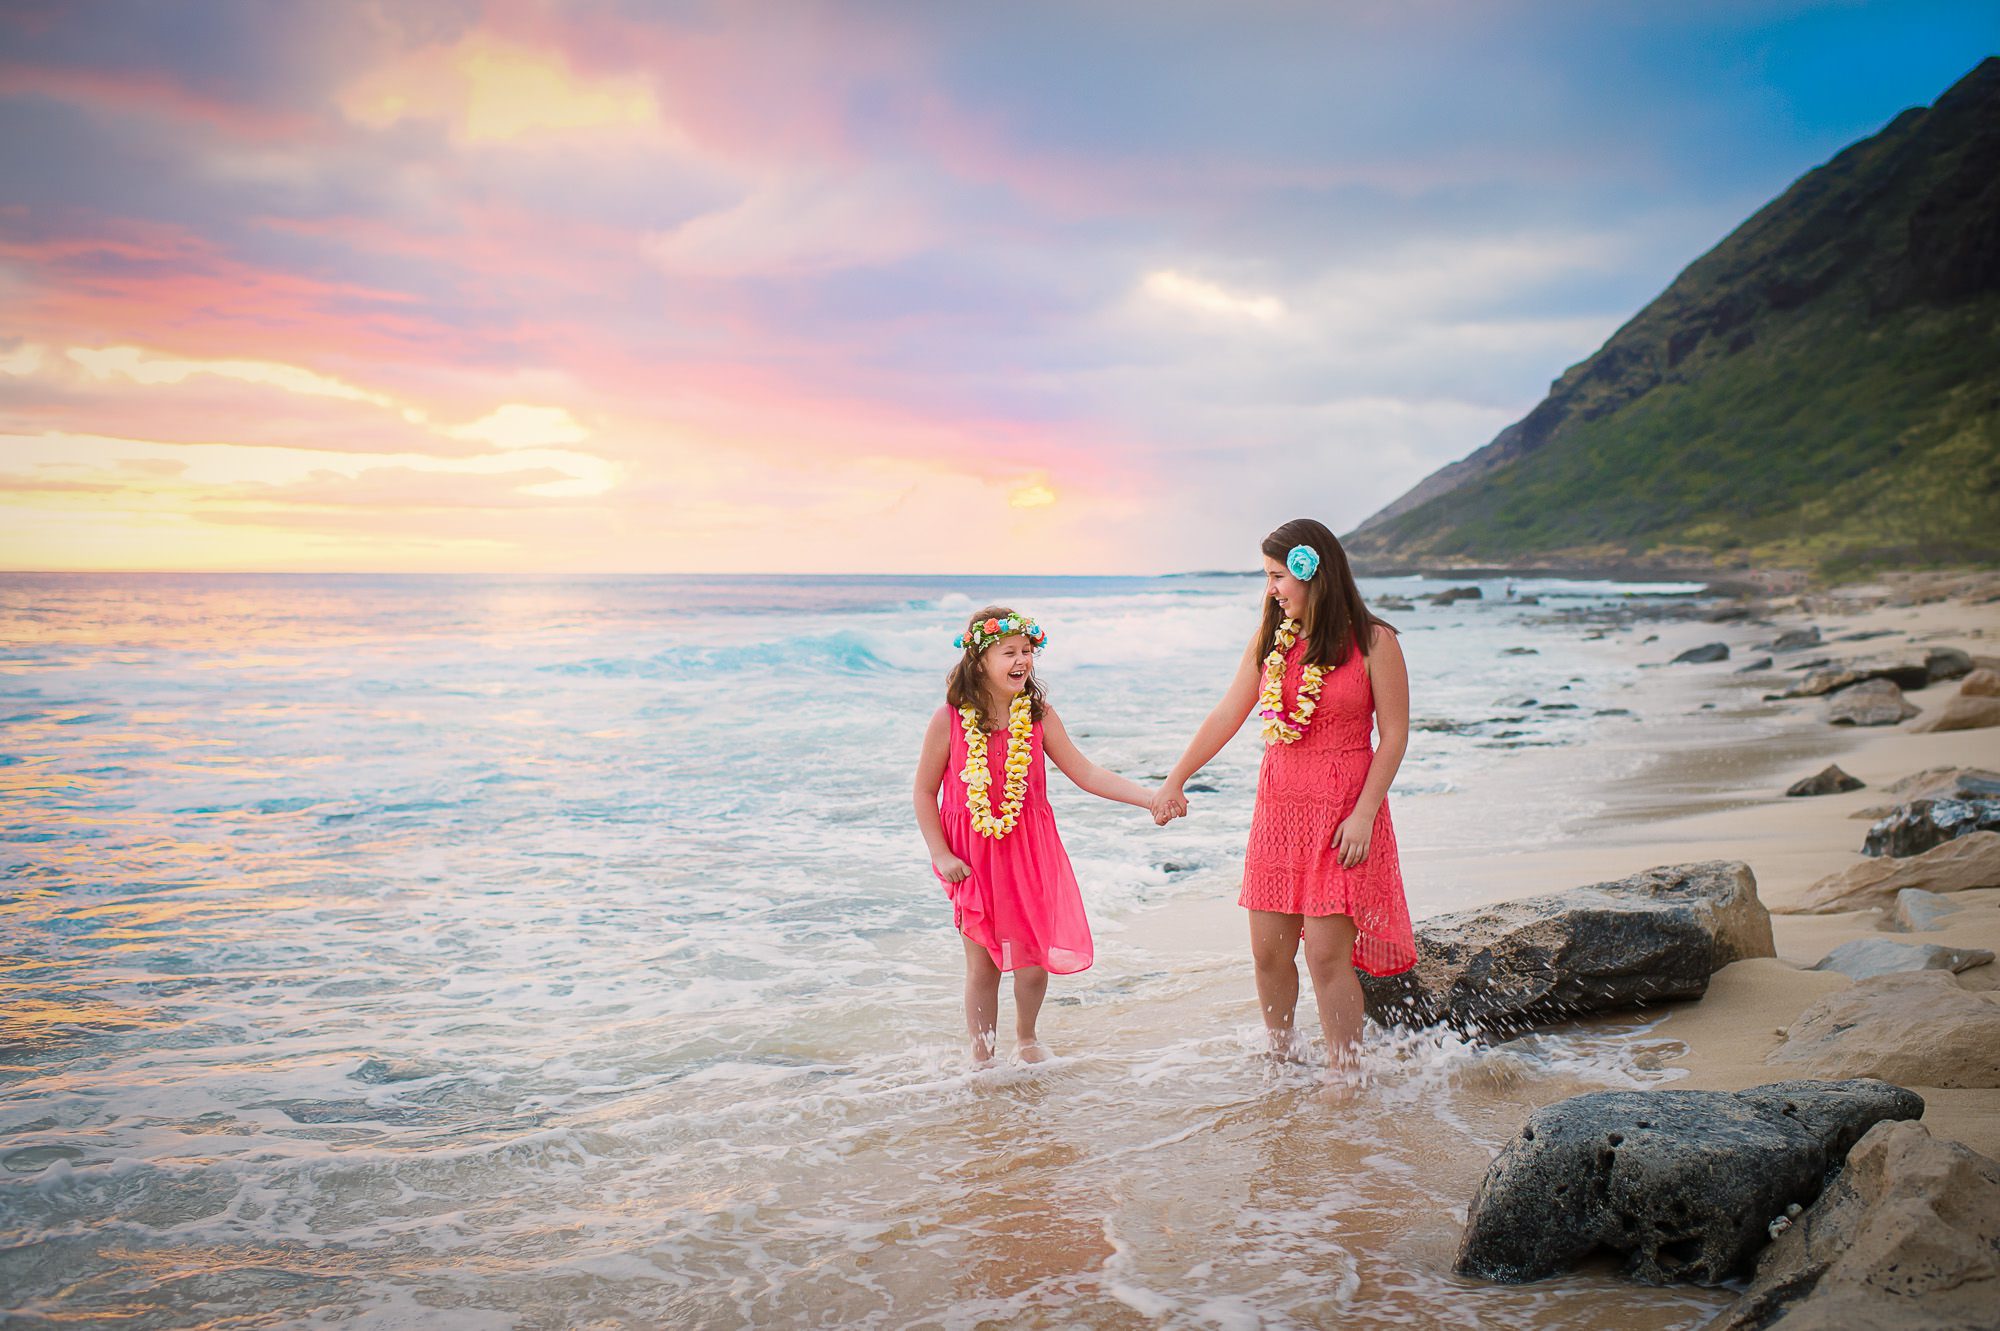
1791 843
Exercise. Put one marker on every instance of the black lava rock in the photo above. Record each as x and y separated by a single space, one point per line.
1683 1184
1921 824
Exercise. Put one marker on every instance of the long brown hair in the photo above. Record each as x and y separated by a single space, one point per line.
1333 599
964 686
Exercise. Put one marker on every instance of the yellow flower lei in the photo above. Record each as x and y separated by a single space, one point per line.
1278 729
1020 728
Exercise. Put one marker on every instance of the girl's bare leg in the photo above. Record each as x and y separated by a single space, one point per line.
982 1001
1330 957
1274 949
1031 986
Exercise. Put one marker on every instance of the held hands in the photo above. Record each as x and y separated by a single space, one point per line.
1351 838
951 868
1168 804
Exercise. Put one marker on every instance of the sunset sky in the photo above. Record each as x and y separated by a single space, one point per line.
912 287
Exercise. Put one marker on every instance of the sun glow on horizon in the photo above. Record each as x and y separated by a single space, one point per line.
705 287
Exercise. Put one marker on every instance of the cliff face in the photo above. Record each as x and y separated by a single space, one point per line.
1822 387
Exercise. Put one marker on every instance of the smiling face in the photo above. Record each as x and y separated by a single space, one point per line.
1286 590
1006 665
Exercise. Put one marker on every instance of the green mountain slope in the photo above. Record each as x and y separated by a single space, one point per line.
1822 388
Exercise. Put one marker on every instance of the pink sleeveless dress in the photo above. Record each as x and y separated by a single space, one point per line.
1020 902
1304 790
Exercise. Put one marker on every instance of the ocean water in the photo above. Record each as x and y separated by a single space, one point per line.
561 952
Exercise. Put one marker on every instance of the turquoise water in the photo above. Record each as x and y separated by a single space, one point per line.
487 951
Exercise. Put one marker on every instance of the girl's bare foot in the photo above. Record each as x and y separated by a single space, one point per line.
1034 1051
1286 1047
1340 1083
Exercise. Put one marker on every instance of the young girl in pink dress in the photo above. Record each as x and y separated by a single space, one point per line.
1321 866
982 804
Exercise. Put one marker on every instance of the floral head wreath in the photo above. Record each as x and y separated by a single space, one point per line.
989 631
1303 562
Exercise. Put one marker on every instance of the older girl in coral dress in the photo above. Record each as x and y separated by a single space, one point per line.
1321 867
1014 896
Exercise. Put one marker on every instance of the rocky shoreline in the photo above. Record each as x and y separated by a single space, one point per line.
1834 1143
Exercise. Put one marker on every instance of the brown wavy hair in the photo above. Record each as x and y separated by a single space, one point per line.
963 687
1333 598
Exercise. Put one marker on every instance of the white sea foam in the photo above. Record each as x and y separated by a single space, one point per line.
400 951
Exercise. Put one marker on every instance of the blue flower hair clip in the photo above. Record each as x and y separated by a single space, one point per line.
1303 561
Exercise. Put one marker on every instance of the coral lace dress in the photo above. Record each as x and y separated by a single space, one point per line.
1020 902
1304 790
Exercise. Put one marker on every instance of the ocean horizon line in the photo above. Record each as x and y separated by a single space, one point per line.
1608 573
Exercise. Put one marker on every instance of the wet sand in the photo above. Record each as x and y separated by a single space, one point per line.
1699 774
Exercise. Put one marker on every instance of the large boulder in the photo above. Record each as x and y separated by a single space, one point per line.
1969 861
1917 826
1981 683
1682 1184
1859 958
1653 936
1907 1236
1876 702
1918 1028
1962 713
1831 781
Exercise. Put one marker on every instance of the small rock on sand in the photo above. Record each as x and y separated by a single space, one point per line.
1761 663
1948 663
1910 673
1832 781
1918 912
1917 826
1860 958
1962 713
1907 1236
1937 783
1702 655
1918 1028
1793 640
1970 861
1873 702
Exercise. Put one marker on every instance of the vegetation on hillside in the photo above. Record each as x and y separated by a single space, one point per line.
1822 388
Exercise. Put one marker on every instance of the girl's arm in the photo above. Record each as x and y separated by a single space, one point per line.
930 777
1086 774
1221 726
1389 676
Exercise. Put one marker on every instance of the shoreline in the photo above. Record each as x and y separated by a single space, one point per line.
1712 758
